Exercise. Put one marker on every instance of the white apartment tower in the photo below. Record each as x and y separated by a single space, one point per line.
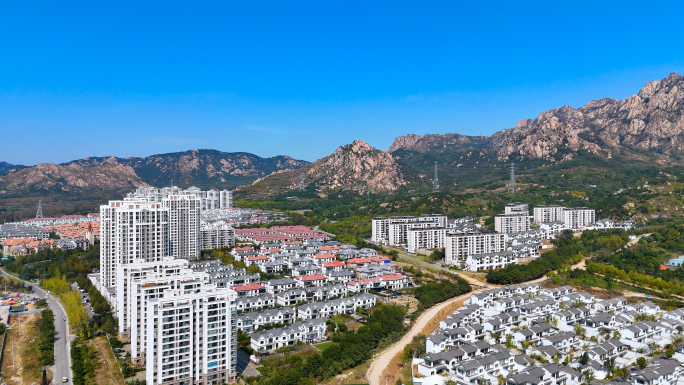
459 246
425 239
184 225
125 277
394 230
131 230
547 214
216 235
209 199
576 218
192 338
512 223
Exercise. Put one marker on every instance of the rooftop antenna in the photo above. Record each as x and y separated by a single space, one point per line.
435 182
511 183
39 213
301 182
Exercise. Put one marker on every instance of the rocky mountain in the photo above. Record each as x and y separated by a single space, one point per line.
86 174
650 122
4 167
202 168
354 167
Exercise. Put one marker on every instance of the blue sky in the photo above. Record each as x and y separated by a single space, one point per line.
302 78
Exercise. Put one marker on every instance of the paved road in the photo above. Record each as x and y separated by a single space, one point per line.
63 339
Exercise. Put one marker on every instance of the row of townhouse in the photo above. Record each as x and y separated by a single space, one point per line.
308 331
334 307
545 323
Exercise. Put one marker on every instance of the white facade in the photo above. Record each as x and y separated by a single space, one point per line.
131 230
490 261
216 235
137 270
459 246
517 208
511 223
184 225
550 213
194 339
425 239
577 218
394 230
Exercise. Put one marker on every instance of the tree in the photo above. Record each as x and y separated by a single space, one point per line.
509 342
622 373
584 359
588 376
496 336
580 331
653 348
609 364
669 353
642 363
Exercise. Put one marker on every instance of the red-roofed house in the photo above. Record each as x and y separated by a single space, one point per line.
320 259
250 290
333 266
256 260
313 279
329 250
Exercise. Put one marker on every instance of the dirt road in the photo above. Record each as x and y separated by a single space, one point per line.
382 360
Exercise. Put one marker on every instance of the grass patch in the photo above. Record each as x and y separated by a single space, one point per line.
323 346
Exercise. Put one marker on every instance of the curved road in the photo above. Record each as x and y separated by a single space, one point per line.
62 367
382 361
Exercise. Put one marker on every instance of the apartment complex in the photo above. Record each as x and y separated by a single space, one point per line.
192 337
131 230
208 200
459 246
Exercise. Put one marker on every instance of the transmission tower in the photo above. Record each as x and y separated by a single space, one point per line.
39 213
302 186
435 182
511 183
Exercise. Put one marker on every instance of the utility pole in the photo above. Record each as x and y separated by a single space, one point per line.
511 183
435 182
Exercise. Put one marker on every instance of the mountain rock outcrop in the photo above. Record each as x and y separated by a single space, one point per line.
356 167
650 121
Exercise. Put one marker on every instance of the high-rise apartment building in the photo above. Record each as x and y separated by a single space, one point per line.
459 246
576 218
512 223
547 214
394 230
215 235
192 337
137 270
131 230
184 225
425 238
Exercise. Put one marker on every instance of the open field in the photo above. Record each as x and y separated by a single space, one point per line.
107 372
21 359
